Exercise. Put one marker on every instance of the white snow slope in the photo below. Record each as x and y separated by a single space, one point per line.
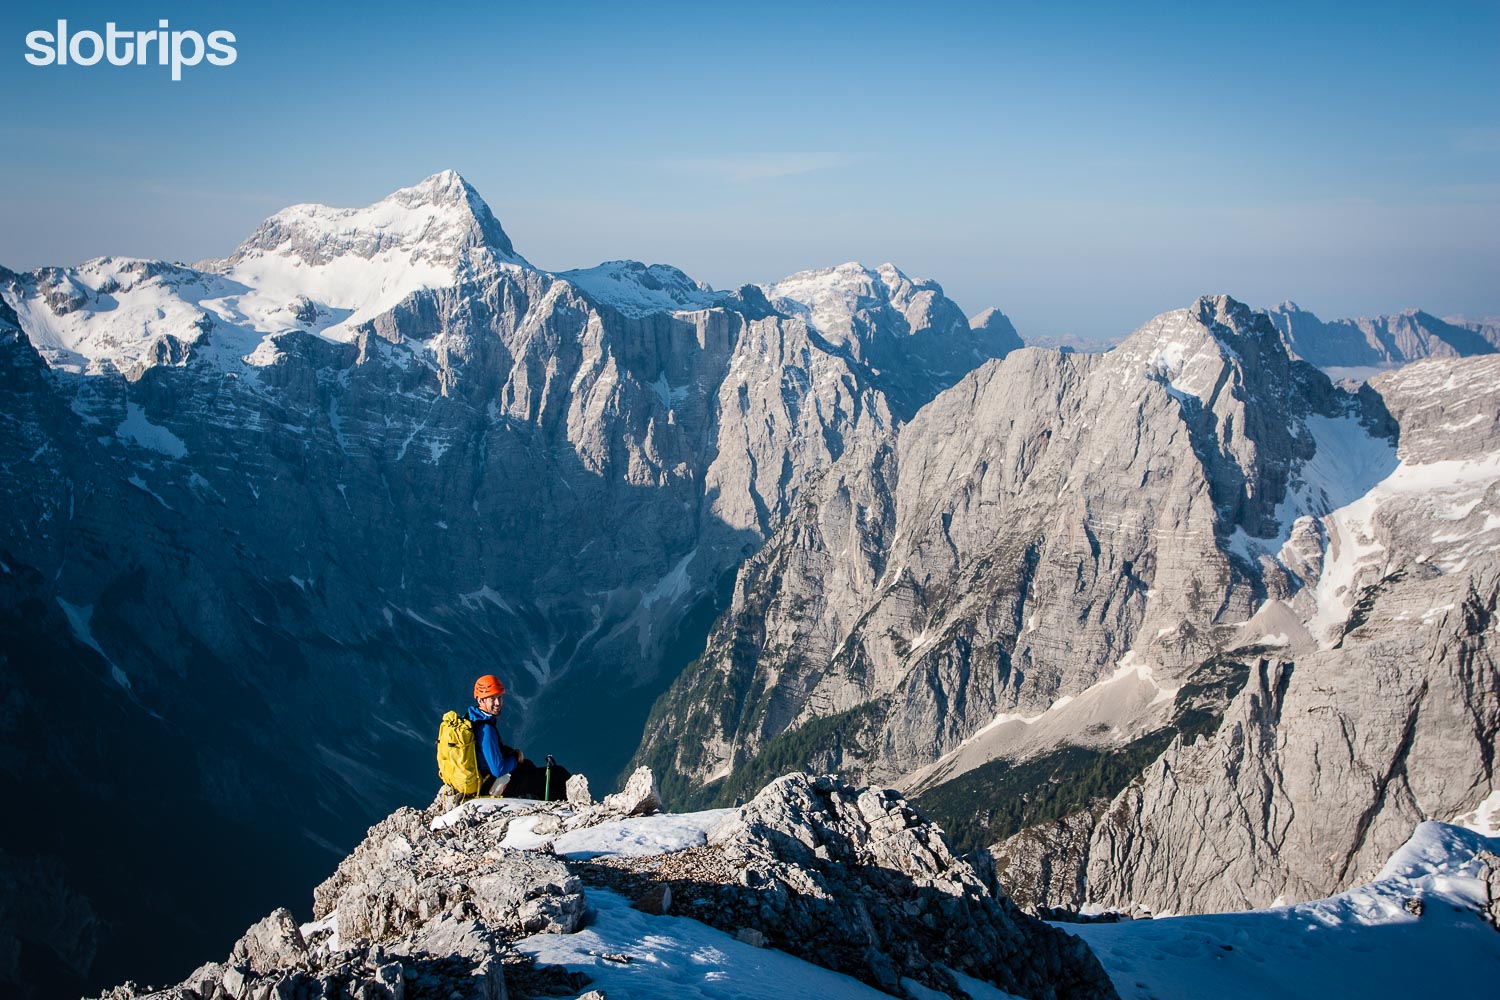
1360 943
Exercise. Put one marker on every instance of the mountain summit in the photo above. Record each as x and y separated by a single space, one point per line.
437 220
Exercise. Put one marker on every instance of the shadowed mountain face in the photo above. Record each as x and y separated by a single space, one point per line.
265 518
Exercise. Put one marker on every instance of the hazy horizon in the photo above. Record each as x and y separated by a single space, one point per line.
1083 170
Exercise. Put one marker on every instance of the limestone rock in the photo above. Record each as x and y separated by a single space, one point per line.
849 878
578 791
996 555
998 580
412 908
1384 340
1363 729
639 797
274 942
1362 723
1492 887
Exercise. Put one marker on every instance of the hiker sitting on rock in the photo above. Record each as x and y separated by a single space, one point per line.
496 760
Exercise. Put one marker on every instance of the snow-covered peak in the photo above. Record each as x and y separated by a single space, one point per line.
119 311
311 268
829 298
341 267
439 220
637 289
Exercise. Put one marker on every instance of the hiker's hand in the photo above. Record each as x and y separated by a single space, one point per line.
520 757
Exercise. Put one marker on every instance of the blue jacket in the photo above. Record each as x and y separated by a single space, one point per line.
494 757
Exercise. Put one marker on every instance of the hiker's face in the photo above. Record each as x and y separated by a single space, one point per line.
491 704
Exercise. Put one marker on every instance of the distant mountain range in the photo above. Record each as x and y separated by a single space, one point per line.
1342 345
1382 341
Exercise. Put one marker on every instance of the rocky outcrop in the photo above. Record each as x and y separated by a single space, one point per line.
854 880
430 905
857 875
412 912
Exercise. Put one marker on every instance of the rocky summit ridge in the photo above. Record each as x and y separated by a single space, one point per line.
433 902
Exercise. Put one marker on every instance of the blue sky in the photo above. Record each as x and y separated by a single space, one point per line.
1082 167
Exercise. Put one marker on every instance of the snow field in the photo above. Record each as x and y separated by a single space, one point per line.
1361 943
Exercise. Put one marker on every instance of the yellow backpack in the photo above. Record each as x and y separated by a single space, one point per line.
458 763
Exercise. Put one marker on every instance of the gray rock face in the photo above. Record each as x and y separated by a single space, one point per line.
1045 866
1013 545
996 324
995 579
1322 767
1330 756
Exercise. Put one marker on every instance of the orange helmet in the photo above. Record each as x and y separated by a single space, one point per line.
487 685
